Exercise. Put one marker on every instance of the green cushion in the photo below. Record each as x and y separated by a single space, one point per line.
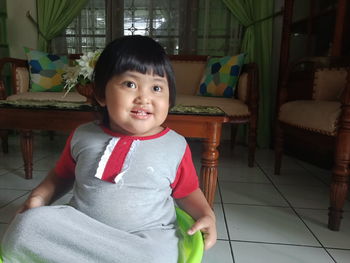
221 76
45 70
190 247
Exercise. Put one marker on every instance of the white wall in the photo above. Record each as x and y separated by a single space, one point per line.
21 32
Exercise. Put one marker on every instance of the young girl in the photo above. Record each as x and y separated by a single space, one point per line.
126 170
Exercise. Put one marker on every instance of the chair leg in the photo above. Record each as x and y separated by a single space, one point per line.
27 152
278 148
4 141
340 178
252 140
234 128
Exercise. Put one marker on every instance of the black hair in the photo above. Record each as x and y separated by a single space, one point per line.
134 53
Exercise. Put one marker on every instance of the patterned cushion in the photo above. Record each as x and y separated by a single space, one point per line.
221 76
45 70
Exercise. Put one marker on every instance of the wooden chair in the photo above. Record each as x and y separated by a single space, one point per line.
314 110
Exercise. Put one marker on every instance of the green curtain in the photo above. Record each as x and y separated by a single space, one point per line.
53 17
257 43
4 48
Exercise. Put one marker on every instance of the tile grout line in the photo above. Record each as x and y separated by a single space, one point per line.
3 206
296 213
312 173
225 221
276 243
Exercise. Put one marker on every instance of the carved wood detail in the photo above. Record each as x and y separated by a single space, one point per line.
210 158
27 152
340 175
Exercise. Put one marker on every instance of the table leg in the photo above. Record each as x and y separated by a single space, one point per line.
209 169
4 141
27 152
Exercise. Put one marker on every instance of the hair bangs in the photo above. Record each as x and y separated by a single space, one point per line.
140 63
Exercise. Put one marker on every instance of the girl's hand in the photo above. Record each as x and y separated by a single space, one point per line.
32 202
206 225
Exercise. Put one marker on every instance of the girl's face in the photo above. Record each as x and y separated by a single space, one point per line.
137 103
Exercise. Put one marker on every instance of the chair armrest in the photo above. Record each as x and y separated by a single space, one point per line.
14 63
249 93
299 80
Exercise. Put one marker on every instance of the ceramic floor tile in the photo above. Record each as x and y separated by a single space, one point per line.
15 180
314 169
340 256
325 177
295 176
267 224
10 163
9 195
233 160
242 173
321 173
317 222
221 252
242 252
238 150
266 159
303 196
252 194
220 222
7 212
46 163
3 171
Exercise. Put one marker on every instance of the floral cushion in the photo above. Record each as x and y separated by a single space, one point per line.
221 76
45 70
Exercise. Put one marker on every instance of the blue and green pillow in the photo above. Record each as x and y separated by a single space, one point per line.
221 76
45 70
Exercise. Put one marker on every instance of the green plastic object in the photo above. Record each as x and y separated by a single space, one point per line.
190 247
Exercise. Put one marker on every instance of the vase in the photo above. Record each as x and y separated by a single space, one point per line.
86 90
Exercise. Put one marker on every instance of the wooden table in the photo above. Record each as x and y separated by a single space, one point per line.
206 127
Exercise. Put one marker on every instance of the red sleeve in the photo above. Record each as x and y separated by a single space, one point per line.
65 166
186 180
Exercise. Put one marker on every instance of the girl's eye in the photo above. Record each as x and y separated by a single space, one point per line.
157 88
130 84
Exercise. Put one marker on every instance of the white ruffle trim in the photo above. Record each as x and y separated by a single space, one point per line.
105 157
107 154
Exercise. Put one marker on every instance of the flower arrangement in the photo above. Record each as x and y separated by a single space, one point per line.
81 72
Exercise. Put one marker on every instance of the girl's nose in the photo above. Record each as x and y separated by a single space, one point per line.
142 97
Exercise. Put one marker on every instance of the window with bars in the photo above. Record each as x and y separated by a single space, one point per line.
180 26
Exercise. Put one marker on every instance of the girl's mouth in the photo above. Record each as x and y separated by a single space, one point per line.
140 114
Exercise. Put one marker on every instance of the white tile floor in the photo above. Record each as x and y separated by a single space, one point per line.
260 217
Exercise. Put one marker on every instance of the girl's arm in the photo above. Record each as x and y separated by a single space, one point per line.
197 206
49 190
